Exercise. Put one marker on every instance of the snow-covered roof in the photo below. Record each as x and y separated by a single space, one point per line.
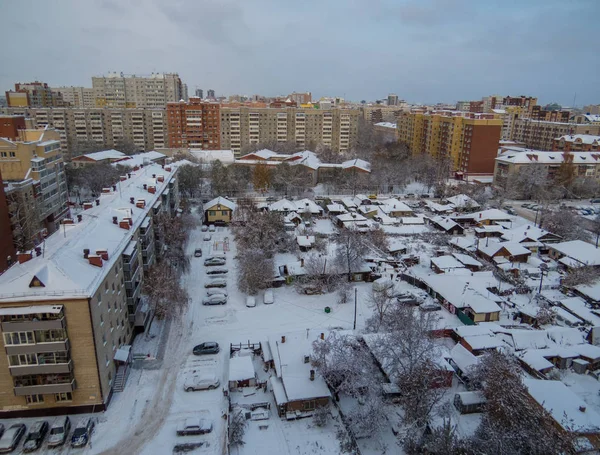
283 205
444 222
484 342
305 158
36 309
307 205
394 205
357 163
462 201
210 156
111 154
470 398
264 154
344 217
395 245
580 138
514 249
292 369
142 158
566 408
463 243
529 339
241 368
439 208
387 125
305 241
535 360
467 260
524 232
517 155
463 358
62 263
565 336
579 250
592 118
446 262
489 214
336 208
349 202
220 201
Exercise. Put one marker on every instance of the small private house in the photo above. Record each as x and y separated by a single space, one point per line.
574 254
105 156
446 225
531 237
463 361
469 402
512 252
219 211
443 264
297 387
468 262
395 208
463 203
484 217
241 372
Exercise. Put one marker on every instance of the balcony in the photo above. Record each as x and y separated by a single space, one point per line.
46 389
28 326
133 295
32 348
47 368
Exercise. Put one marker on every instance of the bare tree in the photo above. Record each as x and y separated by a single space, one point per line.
127 146
580 276
262 231
382 302
321 416
317 274
350 250
165 294
512 424
190 180
528 183
560 222
255 270
174 233
378 239
27 225
237 427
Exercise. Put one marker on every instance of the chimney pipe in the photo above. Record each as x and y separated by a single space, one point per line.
38 251
153 176
79 217
322 336
582 408
312 375
115 220
97 201
145 186
282 339
24 256
86 253
132 200
129 175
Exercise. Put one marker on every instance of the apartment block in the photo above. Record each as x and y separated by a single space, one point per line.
194 125
470 139
10 125
37 156
70 307
146 128
540 135
117 90
593 109
76 96
7 249
577 143
511 160
301 98
379 113
32 94
243 126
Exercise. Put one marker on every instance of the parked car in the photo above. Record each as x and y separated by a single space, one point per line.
82 433
206 348
204 228
36 436
207 238
250 301
214 261
216 291
194 426
216 283
268 298
11 437
219 271
525 206
198 252
216 299
430 307
595 201
206 381
1 429
59 431
211 228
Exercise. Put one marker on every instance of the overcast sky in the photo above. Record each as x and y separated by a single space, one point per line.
423 50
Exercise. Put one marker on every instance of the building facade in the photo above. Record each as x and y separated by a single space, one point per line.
301 98
243 126
117 90
469 139
68 307
7 249
195 125
32 94
76 96
10 125
37 156
540 135
577 143
378 113
109 128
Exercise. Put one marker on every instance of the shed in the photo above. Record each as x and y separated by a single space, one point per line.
469 402
241 372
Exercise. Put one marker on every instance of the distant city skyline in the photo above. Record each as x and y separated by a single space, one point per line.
424 51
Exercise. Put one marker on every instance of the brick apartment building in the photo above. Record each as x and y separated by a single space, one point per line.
196 124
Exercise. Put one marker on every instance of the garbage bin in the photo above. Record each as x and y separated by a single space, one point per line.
327 309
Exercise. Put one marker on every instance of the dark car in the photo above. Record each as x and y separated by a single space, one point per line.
11 437
208 347
36 436
198 252
216 271
82 433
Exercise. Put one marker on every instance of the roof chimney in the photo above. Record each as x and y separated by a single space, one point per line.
38 250
322 336
132 200
79 217
95 260
282 339
86 253
103 254
115 220
168 168
153 176
97 201
124 224
312 375
306 359
105 190
24 256
123 178
129 175
582 408
87 205
141 203
160 178
152 189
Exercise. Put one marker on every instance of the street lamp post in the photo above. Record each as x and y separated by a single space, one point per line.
543 273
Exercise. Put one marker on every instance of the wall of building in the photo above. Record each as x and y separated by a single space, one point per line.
6 240
10 126
483 148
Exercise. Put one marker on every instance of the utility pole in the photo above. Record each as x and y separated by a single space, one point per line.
355 291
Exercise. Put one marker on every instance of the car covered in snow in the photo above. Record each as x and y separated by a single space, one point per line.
207 237
250 301
205 381
194 426
268 297
215 299
211 228
430 307
216 283
217 271
59 431
215 291
206 348
198 252
204 228
11 437
210 262
35 436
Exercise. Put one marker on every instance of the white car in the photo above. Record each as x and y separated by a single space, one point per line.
216 291
194 426
211 228
250 301
205 381
268 298
207 237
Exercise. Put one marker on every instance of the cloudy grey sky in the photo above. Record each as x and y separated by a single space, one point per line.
423 50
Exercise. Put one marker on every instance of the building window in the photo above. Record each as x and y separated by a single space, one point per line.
34 399
66 396
212 213
224 212
309 405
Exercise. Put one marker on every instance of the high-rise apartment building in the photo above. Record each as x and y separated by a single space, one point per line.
32 94
131 91
379 113
470 139
184 92
540 135
110 128
195 124
71 305
242 126
199 93
210 93
301 98
593 109
37 156
392 99
76 96
7 249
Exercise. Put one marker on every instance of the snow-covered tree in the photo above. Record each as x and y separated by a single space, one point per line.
351 249
381 302
237 427
162 287
189 178
261 231
173 233
255 270
378 239
580 275
513 423
560 222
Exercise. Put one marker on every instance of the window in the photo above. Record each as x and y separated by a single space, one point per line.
309 405
18 338
66 396
34 399
99 298
212 213
224 212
